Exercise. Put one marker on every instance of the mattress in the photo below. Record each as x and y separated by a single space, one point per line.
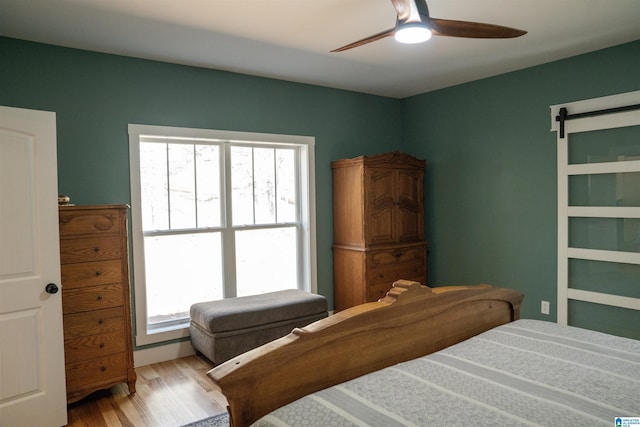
524 373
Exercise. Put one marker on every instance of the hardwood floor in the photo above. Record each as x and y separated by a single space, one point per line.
168 394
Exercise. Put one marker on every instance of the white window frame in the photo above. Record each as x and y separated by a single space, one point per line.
306 146
565 252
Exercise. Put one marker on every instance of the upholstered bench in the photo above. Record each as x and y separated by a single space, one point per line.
226 328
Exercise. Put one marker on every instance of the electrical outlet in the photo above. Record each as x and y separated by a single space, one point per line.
544 307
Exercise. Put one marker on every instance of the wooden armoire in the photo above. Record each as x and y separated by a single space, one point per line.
95 298
378 226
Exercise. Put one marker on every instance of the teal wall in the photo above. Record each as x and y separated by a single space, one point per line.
95 96
490 186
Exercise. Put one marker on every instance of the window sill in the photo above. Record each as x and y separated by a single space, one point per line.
163 332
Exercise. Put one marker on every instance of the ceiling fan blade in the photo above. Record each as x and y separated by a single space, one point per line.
366 40
403 8
476 30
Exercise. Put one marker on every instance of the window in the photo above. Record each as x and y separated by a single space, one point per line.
216 214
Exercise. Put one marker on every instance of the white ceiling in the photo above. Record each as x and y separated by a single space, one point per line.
291 39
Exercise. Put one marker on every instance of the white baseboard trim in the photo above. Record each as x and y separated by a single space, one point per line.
162 353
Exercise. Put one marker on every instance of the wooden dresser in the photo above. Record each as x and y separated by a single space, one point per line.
378 226
95 298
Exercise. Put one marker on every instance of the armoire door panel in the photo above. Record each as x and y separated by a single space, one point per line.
379 206
409 216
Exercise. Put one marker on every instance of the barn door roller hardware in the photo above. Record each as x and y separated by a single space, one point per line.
563 114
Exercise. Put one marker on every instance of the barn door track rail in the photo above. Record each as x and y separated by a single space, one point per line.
564 115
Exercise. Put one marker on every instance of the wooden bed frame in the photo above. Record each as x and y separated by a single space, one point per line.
410 322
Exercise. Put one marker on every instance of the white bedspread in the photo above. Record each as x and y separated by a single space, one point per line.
525 373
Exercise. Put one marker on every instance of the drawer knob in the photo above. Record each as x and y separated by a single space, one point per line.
101 345
100 322
397 253
98 273
99 298
103 368
96 250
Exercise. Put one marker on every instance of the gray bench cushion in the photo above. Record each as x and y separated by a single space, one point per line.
256 310
225 328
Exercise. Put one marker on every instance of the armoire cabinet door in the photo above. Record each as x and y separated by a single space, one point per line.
393 206
409 217
379 206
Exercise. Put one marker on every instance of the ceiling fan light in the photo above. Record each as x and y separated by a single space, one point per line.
412 33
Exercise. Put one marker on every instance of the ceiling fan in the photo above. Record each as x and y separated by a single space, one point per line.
414 25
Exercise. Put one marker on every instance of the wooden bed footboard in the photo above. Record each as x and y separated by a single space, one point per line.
410 322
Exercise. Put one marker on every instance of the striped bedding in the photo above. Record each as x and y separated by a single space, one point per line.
525 373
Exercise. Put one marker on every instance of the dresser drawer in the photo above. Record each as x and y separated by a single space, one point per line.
90 249
92 346
91 273
92 298
395 256
93 322
391 264
96 371
94 222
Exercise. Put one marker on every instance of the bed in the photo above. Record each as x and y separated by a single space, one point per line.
441 356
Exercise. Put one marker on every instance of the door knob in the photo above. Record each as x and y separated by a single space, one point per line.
51 288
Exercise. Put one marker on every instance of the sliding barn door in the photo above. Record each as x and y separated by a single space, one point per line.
32 378
599 215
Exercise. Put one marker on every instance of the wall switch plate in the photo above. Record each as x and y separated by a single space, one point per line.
544 307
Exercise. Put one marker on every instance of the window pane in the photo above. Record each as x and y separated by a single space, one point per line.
153 186
608 277
242 185
208 185
604 318
606 145
181 270
182 186
612 234
286 185
265 185
266 260
607 189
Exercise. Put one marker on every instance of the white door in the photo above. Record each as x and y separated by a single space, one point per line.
599 215
32 377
